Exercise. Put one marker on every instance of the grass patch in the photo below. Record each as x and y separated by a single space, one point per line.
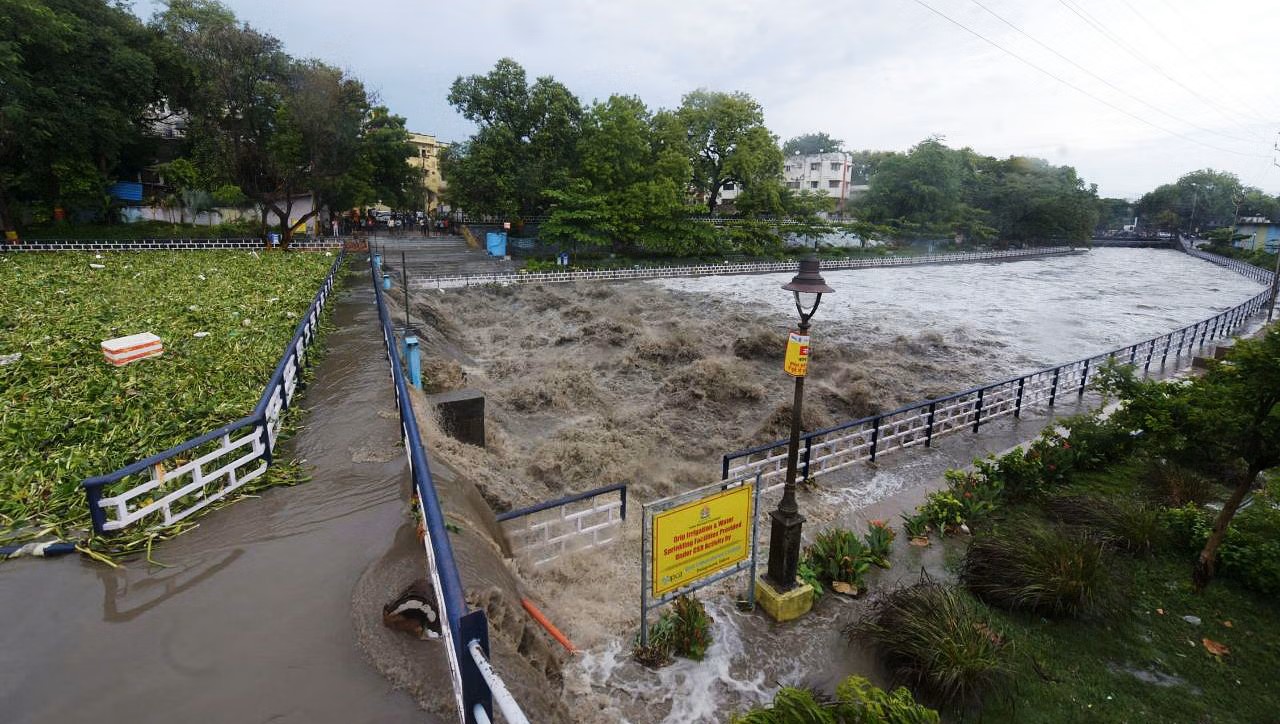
141 230
857 701
66 414
1084 671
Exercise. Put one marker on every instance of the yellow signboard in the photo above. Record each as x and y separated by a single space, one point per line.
701 538
796 362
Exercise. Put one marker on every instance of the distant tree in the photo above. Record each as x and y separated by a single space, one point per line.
922 186
525 144
1114 213
77 79
1225 423
1256 202
810 143
631 187
1199 199
728 143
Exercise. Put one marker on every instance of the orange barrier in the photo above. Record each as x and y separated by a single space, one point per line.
550 627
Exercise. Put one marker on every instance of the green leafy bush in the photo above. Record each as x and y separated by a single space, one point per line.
935 638
1097 442
969 498
683 630
857 701
838 556
1030 566
879 540
916 525
1250 552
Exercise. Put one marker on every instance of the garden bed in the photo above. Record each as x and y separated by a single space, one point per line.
66 414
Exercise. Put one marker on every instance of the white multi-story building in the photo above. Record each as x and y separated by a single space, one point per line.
827 173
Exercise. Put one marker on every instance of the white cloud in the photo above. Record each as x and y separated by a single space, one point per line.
878 73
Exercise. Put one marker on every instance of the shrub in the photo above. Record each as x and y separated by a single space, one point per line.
857 701
861 702
1250 552
1097 442
934 637
691 634
969 498
1131 525
1019 474
915 526
683 630
879 540
1035 567
1174 485
838 556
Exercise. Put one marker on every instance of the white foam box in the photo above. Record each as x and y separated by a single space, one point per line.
123 350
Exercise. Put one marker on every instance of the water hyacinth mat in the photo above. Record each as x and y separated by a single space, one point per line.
66 414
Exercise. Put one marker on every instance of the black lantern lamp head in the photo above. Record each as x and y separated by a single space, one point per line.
808 281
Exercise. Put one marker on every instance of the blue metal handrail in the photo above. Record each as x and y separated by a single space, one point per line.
462 630
93 486
1235 315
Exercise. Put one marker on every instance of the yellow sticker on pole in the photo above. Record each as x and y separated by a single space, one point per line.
796 363
701 538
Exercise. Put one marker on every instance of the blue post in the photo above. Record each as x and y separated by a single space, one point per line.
414 360
377 261
386 281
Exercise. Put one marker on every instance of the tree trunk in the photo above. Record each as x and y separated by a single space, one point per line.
286 228
1203 571
711 198
6 222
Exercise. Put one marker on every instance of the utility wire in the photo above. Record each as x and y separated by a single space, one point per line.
1073 86
1243 102
1106 82
1096 24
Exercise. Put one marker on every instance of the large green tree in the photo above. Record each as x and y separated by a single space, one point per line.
276 128
1200 199
630 188
525 144
809 143
77 86
728 143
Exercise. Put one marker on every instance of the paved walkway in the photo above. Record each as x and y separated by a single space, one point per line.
252 619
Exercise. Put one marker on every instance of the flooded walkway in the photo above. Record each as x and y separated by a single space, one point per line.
252 619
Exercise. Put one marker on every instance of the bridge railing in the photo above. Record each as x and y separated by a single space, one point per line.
211 466
544 532
840 446
658 272
476 685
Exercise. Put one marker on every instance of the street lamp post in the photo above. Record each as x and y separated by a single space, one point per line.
784 539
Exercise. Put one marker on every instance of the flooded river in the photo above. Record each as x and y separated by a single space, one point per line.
270 609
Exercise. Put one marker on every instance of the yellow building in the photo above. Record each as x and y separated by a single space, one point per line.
426 160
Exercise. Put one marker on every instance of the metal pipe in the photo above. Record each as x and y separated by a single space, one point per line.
501 696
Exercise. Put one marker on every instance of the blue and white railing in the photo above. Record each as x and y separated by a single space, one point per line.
918 424
476 685
213 465
761 267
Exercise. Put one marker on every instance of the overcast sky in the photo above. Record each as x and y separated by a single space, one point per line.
879 74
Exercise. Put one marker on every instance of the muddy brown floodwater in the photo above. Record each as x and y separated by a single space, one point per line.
251 620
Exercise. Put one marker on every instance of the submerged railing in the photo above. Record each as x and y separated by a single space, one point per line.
767 267
476 685
217 462
834 448
544 532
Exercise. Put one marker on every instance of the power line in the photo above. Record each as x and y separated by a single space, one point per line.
1103 80
1096 24
1073 86
1243 103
